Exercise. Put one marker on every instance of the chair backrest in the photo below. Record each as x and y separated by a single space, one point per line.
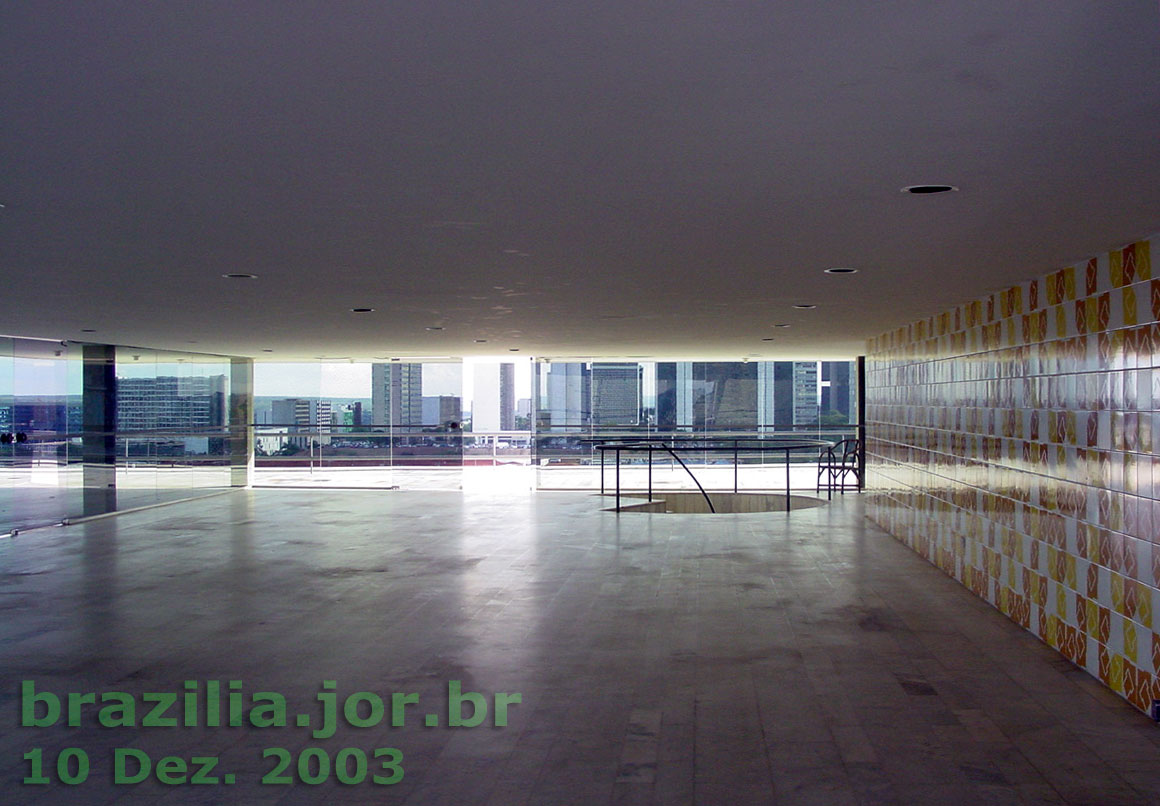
851 448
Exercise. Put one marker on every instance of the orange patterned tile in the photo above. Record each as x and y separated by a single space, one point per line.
1130 684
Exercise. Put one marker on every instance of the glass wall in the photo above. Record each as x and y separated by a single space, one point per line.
578 404
40 406
348 424
172 418
87 429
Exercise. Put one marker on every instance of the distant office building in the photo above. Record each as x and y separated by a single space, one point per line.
569 393
32 413
729 401
616 394
397 394
766 395
507 397
493 397
352 414
524 407
839 389
171 403
805 393
309 416
442 410
666 391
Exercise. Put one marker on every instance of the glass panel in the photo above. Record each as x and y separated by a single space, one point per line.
36 412
394 424
579 404
172 418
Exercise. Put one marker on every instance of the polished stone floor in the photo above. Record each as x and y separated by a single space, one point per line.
731 659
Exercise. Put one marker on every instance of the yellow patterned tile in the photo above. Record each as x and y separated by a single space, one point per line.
1061 320
1061 601
1071 574
1143 260
1069 283
1116 673
1093 617
1129 641
1143 604
1116 267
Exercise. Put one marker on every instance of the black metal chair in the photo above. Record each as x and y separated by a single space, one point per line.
838 462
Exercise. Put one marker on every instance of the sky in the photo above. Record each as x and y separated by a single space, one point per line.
354 380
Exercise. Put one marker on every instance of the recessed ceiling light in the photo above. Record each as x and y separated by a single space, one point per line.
768 338
513 349
434 327
267 351
841 270
924 189
362 310
481 341
87 330
240 276
782 324
396 359
805 307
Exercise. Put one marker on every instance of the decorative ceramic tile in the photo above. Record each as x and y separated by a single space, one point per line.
1010 442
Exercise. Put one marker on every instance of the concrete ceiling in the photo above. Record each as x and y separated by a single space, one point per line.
605 178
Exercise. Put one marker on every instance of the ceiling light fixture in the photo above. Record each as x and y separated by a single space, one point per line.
513 349
805 306
782 324
768 338
841 270
481 341
87 330
920 190
240 276
267 351
362 310
434 327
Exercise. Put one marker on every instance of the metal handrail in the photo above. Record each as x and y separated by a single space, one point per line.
633 445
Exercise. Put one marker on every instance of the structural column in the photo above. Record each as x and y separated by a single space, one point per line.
241 422
99 434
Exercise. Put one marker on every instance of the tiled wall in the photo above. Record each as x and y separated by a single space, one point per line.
1013 442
